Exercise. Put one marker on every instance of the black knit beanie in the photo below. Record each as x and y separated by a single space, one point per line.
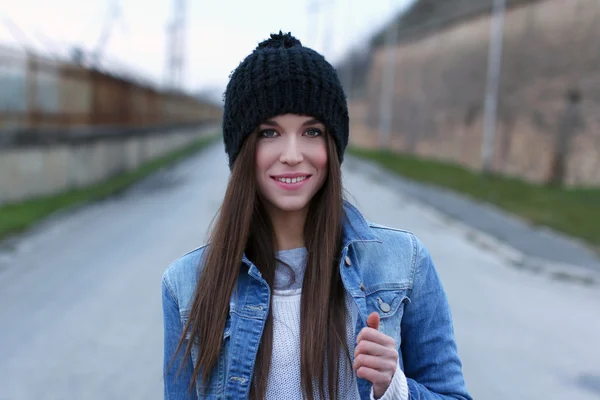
279 77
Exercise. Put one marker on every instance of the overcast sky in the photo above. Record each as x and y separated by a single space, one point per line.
220 33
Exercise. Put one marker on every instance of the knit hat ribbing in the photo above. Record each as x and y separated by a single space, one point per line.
279 77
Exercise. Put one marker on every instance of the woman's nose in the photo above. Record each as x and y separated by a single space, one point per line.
291 152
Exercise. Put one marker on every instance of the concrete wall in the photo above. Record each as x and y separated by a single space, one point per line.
548 116
36 169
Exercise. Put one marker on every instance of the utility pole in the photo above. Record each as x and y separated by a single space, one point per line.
349 23
329 29
388 83
493 83
314 24
176 46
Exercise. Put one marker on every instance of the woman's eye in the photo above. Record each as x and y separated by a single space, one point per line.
268 133
314 132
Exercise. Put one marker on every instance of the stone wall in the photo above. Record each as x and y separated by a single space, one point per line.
548 122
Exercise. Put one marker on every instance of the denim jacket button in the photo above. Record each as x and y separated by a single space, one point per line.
383 306
347 261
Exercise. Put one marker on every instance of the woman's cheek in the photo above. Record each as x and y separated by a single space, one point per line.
320 156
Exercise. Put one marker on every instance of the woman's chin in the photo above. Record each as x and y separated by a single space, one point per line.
290 205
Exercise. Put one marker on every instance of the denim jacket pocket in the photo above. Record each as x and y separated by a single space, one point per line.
389 304
216 382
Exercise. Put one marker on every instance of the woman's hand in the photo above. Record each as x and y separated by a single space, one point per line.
375 357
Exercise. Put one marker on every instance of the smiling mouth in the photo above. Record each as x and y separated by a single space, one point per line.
297 179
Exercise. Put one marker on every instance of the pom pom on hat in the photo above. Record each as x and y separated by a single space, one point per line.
285 40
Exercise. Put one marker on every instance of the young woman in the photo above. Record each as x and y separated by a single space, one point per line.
296 295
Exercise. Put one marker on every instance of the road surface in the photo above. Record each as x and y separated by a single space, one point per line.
81 311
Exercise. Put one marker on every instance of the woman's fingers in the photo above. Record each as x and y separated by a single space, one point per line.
372 335
375 359
377 378
373 320
371 348
378 363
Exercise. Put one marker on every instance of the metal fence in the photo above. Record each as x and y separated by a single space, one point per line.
38 92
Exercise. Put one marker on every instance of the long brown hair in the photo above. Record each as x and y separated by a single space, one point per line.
243 226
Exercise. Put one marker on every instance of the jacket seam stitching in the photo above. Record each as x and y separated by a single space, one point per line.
413 267
168 286
196 249
373 225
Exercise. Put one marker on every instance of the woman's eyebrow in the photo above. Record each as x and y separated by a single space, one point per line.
312 122
271 123
275 124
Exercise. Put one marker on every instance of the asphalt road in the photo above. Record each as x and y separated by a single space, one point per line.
81 311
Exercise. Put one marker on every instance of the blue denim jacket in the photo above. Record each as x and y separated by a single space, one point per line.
378 265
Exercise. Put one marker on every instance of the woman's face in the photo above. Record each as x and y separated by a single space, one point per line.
291 161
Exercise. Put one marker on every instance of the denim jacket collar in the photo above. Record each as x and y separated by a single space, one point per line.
355 227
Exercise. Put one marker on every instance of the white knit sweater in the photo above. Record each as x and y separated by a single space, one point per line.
284 377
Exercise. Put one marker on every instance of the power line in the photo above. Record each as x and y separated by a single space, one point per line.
113 15
17 33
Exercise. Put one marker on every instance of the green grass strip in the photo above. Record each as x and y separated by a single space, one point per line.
17 217
575 212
